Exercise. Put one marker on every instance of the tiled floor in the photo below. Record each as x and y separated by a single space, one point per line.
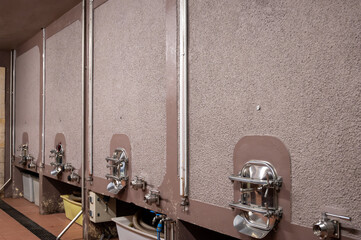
10 229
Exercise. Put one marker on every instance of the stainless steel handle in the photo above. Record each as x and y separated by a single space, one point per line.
248 208
250 180
338 216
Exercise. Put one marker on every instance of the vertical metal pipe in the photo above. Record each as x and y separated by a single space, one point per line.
90 132
14 103
183 111
43 102
11 108
83 64
172 230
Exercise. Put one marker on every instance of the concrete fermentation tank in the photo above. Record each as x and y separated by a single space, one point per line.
130 104
269 132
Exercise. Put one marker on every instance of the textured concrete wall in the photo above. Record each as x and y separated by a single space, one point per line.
63 92
298 60
129 84
27 110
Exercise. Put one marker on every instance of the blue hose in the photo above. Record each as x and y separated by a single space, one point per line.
159 226
159 229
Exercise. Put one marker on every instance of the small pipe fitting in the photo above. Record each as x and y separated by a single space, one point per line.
326 228
115 186
31 165
73 177
138 182
152 197
56 171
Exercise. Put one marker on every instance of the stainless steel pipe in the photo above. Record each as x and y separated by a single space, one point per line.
14 103
43 102
83 64
183 101
90 99
69 225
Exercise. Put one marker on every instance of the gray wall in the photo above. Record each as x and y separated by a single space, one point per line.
129 84
63 92
27 113
298 60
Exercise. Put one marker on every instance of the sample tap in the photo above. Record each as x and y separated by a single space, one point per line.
326 228
138 182
152 197
73 176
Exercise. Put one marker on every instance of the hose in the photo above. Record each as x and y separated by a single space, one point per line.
159 229
146 226
139 227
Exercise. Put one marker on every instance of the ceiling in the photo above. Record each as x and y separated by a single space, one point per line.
22 19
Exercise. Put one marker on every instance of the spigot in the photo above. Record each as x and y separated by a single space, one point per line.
138 182
326 228
157 217
161 218
31 165
56 171
152 197
115 186
68 166
73 177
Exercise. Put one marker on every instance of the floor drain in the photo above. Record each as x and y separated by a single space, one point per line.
26 222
